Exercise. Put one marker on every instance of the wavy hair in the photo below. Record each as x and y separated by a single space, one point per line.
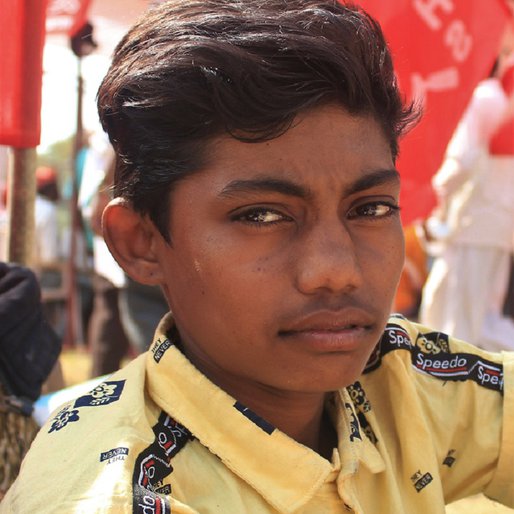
191 70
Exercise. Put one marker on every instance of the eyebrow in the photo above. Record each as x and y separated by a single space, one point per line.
284 187
289 188
373 179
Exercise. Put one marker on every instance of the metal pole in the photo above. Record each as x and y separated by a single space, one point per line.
20 204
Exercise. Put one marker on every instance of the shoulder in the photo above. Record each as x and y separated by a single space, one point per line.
88 448
421 351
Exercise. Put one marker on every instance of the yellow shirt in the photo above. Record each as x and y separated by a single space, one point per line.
431 420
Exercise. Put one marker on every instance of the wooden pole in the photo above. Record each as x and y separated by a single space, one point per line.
73 326
20 204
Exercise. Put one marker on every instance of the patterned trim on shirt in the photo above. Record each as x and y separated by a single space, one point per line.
153 465
431 355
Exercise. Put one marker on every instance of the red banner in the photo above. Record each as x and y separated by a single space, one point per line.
66 16
22 25
441 49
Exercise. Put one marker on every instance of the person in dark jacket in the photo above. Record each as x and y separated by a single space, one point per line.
29 349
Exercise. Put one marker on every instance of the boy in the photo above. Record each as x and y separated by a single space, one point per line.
255 184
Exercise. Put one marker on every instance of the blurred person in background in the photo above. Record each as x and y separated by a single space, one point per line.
106 336
125 312
47 257
47 240
467 285
29 350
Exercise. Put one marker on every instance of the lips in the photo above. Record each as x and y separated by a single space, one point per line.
331 332
346 320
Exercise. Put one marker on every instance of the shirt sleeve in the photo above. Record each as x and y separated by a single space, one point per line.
501 487
467 398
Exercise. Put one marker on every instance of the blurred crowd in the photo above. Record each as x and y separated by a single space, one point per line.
458 276
115 317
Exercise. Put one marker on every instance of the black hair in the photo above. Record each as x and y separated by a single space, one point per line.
189 71
49 190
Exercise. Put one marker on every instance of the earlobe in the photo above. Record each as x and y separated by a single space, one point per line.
132 240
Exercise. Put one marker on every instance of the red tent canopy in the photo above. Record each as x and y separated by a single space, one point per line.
442 49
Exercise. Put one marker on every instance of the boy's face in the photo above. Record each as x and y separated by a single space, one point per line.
285 256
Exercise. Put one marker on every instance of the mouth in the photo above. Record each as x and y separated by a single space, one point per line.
341 331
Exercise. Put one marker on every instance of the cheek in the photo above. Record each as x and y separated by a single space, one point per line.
393 260
245 291
238 260
384 261
215 278
238 282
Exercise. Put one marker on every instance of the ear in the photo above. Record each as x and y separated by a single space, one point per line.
132 240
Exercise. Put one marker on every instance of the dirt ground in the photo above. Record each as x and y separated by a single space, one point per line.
76 365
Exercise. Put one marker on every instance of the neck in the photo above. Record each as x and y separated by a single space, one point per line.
301 416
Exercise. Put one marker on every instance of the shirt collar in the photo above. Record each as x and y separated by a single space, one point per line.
294 473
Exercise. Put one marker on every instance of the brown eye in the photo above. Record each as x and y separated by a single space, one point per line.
261 216
373 210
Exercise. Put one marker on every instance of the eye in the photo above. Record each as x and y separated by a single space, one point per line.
376 209
260 216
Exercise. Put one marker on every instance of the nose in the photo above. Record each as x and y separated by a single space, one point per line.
328 260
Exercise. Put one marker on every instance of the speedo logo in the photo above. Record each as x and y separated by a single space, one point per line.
455 366
397 337
488 374
431 355
460 367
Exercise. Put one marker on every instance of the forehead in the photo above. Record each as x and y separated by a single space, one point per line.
324 142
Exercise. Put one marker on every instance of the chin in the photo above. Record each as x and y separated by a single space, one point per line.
340 381
327 385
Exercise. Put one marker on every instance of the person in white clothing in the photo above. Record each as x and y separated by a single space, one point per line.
466 288
46 248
